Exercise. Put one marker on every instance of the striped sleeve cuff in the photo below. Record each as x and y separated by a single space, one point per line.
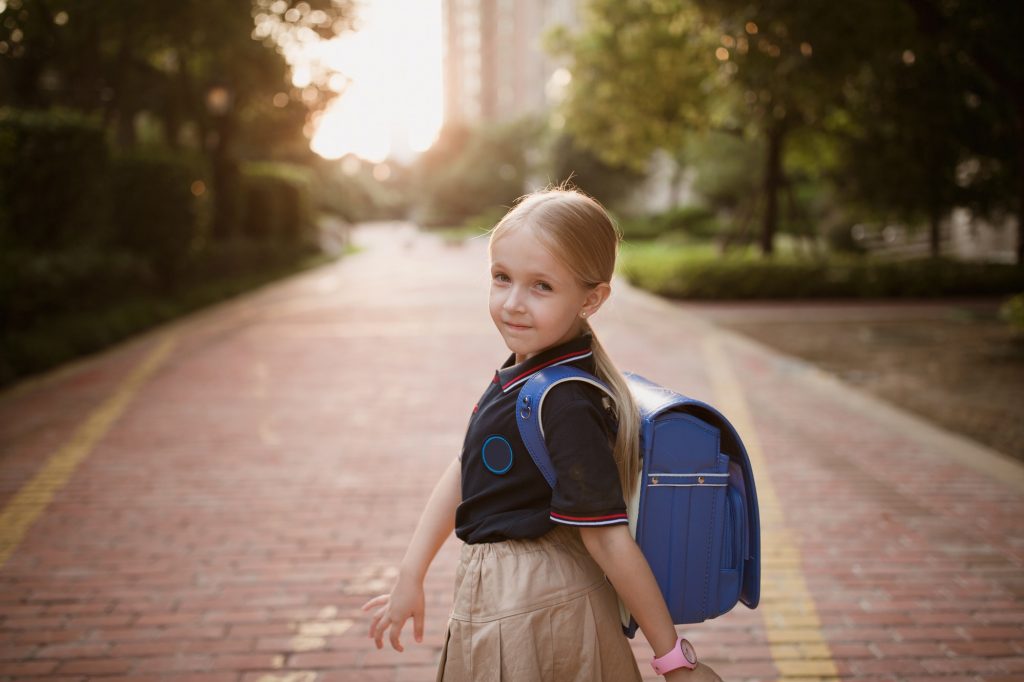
602 520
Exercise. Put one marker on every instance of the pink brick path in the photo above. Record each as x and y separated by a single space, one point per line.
263 482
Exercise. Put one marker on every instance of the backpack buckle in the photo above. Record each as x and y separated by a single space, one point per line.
526 409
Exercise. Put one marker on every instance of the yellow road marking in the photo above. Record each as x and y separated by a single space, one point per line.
791 620
25 507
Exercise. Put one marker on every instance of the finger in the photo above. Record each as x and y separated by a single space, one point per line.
379 636
376 601
376 619
417 625
396 631
381 622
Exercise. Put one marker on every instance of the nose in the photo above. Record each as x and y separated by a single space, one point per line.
514 301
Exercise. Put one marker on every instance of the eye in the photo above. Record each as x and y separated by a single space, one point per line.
544 286
500 277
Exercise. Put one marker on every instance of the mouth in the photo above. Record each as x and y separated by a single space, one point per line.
516 327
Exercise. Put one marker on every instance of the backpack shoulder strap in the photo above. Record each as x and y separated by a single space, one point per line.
528 411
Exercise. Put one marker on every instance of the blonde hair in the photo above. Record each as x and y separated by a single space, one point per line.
578 231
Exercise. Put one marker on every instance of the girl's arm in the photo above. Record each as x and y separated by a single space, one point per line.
615 551
406 599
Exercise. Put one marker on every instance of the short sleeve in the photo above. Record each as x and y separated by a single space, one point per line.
588 492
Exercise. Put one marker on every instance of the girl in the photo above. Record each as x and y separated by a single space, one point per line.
535 594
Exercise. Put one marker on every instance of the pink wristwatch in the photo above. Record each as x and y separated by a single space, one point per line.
681 656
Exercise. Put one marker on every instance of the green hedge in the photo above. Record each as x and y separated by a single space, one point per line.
35 286
53 169
691 221
54 308
1013 312
701 274
155 212
276 202
242 257
95 247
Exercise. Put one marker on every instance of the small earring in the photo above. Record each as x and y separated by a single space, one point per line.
583 314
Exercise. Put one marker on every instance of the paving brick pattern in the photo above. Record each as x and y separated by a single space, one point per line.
263 482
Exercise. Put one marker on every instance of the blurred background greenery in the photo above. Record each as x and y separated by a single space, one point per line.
156 156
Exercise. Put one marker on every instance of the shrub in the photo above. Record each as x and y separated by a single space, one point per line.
154 211
487 219
722 163
1013 312
121 300
241 257
694 222
52 180
488 169
638 228
839 238
34 286
606 183
276 202
355 198
701 274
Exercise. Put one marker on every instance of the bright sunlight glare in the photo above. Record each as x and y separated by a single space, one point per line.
390 75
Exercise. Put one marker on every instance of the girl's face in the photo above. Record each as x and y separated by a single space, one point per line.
535 301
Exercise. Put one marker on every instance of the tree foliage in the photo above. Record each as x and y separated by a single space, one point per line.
643 75
125 57
924 99
475 170
609 184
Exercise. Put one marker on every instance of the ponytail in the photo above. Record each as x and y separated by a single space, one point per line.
627 438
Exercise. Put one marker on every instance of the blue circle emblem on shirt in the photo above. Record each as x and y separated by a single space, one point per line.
497 455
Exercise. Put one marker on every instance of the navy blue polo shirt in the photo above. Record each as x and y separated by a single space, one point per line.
504 495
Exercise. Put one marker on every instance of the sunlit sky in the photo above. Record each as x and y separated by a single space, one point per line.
393 105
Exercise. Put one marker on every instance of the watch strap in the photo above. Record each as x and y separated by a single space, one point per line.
675 658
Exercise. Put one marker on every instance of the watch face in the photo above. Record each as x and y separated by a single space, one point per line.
688 652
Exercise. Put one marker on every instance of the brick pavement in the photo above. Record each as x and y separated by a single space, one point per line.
222 516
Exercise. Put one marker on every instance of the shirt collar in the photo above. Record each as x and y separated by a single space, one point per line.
573 351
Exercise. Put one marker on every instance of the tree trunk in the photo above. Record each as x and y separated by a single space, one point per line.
225 180
125 132
934 200
86 73
190 99
772 183
934 229
1020 182
171 113
678 168
118 109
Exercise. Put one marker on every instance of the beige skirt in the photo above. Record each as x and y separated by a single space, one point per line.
534 611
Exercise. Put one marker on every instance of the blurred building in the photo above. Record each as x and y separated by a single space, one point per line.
495 66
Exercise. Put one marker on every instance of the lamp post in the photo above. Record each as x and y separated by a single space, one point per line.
219 103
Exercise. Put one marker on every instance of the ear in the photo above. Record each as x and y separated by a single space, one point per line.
596 298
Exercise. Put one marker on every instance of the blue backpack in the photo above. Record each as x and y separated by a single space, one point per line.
695 514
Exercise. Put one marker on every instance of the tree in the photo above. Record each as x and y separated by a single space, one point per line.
123 57
980 39
475 170
641 77
214 67
608 184
647 74
902 138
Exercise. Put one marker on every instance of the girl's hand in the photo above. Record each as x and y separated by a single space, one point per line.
392 610
701 673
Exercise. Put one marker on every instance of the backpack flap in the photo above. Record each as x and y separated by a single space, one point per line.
654 400
681 526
